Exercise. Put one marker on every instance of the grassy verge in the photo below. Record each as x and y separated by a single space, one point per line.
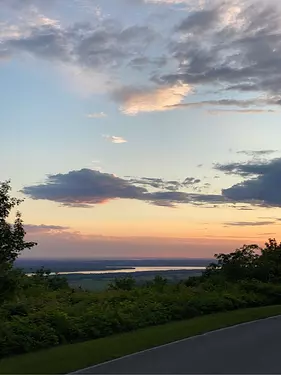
67 358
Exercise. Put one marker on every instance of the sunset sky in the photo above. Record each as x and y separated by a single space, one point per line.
142 128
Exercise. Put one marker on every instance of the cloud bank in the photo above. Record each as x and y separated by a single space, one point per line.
260 186
230 48
88 187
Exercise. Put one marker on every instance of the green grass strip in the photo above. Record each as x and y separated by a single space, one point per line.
67 358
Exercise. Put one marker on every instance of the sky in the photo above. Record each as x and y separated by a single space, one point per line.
142 128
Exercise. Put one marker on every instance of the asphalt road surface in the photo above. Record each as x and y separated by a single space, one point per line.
252 348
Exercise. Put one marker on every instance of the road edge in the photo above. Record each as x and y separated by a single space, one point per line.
172 343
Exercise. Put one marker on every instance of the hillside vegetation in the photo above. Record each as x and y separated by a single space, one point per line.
44 311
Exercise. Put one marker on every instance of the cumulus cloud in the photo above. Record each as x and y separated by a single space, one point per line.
115 139
261 184
97 115
87 187
135 100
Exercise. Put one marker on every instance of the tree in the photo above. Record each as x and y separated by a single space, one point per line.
159 282
238 265
270 261
123 283
12 241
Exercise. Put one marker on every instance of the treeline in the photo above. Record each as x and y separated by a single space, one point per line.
42 311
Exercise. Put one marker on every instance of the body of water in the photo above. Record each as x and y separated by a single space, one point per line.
131 270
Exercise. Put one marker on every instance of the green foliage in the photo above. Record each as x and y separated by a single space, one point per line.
12 242
43 316
247 263
123 283
42 311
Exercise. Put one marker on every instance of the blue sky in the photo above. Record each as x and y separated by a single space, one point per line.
133 120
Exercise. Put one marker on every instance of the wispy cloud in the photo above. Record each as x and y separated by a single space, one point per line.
115 139
244 104
42 228
256 153
248 223
241 111
97 115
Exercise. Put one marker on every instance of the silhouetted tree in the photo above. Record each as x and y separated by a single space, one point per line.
240 264
12 241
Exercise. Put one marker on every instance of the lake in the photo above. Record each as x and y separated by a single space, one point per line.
130 270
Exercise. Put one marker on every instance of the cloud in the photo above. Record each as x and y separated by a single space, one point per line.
136 100
89 50
85 187
256 153
85 44
248 223
261 185
169 185
115 139
200 20
241 111
235 48
42 228
172 198
231 46
97 115
88 187
246 104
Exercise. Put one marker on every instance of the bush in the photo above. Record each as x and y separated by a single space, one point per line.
42 317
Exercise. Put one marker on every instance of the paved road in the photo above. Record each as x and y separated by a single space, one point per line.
245 349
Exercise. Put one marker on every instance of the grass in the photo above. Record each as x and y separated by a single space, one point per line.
67 358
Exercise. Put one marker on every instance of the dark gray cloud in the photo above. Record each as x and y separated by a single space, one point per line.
191 181
84 188
87 187
261 185
243 55
199 21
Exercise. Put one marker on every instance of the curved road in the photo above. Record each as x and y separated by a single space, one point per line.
249 348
